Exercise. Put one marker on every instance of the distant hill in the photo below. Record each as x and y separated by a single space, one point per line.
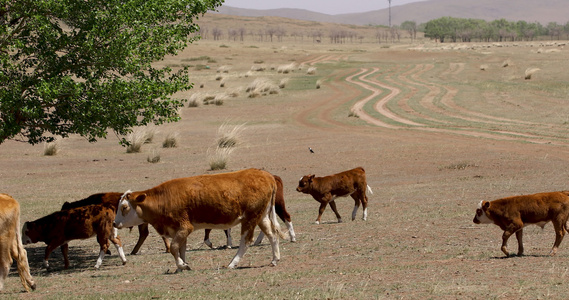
421 12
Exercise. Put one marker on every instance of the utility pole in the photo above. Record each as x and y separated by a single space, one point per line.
389 13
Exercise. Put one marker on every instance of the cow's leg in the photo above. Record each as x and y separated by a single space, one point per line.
65 252
321 211
335 210
273 237
242 249
5 263
519 237
259 239
290 231
48 249
143 233
513 227
104 246
118 244
229 239
559 233
364 206
178 247
206 238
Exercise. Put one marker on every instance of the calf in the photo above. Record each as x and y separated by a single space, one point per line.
112 199
326 189
178 207
512 214
60 227
280 210
11 243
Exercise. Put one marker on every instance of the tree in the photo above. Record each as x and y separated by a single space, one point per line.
85 67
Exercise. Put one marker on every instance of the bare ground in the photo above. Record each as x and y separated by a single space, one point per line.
435 135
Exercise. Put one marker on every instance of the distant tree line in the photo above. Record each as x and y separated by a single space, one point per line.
449 29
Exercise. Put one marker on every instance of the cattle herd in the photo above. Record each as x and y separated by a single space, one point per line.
250 198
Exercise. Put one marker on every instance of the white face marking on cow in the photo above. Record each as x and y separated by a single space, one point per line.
126 213
25 238
481 215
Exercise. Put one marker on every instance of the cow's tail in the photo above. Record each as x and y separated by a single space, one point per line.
369 189
22 259
275 226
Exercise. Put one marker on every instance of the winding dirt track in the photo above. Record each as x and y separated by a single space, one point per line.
403 99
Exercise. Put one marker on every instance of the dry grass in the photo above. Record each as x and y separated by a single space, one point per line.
262 86
311 71
285 69
171 140
229 136
51 148
529 72
154 156
137 138
219 159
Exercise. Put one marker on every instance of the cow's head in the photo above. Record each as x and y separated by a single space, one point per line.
481 216
304 184
128 211
30 234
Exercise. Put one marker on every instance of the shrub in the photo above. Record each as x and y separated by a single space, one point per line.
219 159
51 149
153 157
171 140
229 136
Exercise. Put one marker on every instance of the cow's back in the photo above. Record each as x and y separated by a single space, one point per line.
9 214
214 197
111 199
535 205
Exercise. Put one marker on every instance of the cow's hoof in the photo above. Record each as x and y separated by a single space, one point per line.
339 220
317 222
273 264
124 263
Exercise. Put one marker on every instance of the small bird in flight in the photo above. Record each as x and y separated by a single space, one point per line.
310 149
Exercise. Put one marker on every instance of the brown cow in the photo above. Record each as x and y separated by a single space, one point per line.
178 207
326 189
512 214
280 210
113 199
11 243
60 227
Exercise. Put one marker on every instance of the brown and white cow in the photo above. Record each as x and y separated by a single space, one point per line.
280 209
178 207
11 243
512 214
112 199
325 189
84 222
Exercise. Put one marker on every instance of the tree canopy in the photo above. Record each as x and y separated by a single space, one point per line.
85 67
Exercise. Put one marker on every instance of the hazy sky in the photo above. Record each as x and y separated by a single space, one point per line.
331 7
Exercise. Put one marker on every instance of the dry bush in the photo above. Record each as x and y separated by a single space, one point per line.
154 156
483 67
219 159
311 71
283 82
51 148
193 103
171 140
506 63
222 83
353 114
219 77
223 69
229 135
318 83
258 68
139 137
261 86
529 72
285 69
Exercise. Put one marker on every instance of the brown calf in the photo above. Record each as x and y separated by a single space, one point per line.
512 214
60 227
11 243
113 199
326 189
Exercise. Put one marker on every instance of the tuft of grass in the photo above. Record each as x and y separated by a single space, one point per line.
353 114
529 72
459 166
311 71
193 103
261 86
51 148
171 140
154 156
285 69
283 82
229 135
318 83
137 138
219 159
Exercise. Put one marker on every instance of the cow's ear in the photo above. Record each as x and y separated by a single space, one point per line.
140 198
485 204
311 177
